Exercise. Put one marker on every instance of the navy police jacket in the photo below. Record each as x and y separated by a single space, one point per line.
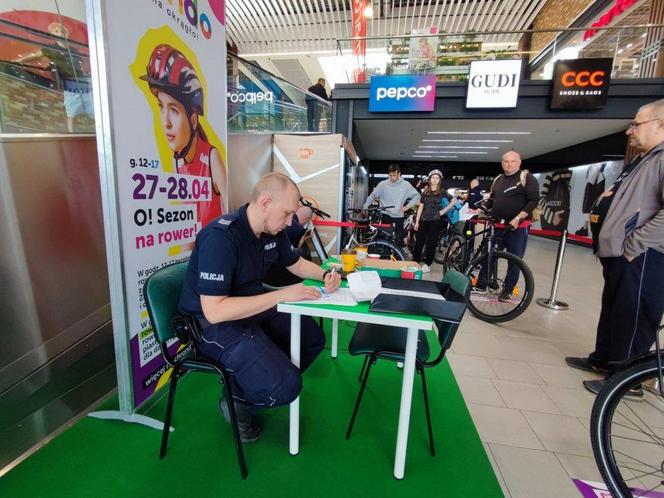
229 260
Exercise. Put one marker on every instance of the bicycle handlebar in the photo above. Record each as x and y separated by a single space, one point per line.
314 209
369 209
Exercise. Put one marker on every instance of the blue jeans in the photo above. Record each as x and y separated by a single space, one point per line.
256 352
512 241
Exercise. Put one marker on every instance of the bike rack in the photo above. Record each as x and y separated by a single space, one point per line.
551 302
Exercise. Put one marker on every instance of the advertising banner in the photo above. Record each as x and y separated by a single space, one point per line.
555 200
359 27
493 84
591 489
403 93
581 83
165 148
423 51
567 195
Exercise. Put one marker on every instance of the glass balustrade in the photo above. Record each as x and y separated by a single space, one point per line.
260 102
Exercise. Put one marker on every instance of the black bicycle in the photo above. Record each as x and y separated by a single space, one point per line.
382 242
503 285
447 234
627 427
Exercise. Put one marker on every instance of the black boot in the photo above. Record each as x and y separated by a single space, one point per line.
248 423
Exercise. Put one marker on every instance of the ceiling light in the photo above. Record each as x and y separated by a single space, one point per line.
620 51
368 11
457 147
629 45
479 132
456 140
454 152
437 157
644 34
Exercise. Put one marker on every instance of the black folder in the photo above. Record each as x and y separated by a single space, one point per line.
449 310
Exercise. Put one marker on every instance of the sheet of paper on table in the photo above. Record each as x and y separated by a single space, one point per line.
365 285
340 297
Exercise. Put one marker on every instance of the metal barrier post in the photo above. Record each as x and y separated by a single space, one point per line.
550 302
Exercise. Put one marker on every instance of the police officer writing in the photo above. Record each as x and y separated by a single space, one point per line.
241 328
627 223
515 194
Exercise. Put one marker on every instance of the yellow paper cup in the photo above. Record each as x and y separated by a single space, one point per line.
348 260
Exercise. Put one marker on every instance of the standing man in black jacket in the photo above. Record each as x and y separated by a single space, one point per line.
313 110
515 194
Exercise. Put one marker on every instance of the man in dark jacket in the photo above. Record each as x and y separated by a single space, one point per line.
313 105
515 194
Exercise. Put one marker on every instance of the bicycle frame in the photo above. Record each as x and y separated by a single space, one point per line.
317 242
486 245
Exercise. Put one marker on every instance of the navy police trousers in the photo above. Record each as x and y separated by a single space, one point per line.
256 352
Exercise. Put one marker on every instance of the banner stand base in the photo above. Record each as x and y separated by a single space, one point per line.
553 305
131 418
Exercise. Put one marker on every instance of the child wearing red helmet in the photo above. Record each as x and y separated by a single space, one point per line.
173 81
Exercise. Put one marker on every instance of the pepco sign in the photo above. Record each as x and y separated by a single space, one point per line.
581 83
403 93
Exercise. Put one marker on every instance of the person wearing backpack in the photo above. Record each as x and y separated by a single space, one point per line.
515 195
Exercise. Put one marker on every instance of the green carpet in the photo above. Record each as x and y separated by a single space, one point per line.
97 458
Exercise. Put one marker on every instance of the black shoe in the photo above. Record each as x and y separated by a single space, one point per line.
249 425
478 289
505 296
595 386
585 363
582 232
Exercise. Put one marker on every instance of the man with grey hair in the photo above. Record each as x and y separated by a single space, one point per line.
514 195
627 222
241 328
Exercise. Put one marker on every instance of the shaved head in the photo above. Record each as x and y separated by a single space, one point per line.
511 162
274 185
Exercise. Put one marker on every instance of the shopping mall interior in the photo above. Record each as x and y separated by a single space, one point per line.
127 127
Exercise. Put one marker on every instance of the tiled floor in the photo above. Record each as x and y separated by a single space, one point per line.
530 409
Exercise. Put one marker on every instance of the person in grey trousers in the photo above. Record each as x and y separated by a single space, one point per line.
627 222
399 194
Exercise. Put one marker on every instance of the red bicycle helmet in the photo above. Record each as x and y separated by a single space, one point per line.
170 71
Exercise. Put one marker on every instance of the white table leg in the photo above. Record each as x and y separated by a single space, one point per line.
335 336
406 398
294 435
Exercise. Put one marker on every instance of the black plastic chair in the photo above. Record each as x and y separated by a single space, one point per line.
389 343
162 294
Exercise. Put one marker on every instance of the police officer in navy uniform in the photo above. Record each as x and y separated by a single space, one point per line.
241 327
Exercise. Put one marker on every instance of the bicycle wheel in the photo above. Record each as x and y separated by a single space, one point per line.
627 435
455 254
489 300
386 250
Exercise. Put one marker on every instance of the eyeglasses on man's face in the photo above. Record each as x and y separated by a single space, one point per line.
636 124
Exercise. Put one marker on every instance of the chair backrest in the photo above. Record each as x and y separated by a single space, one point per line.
162 294
460 284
